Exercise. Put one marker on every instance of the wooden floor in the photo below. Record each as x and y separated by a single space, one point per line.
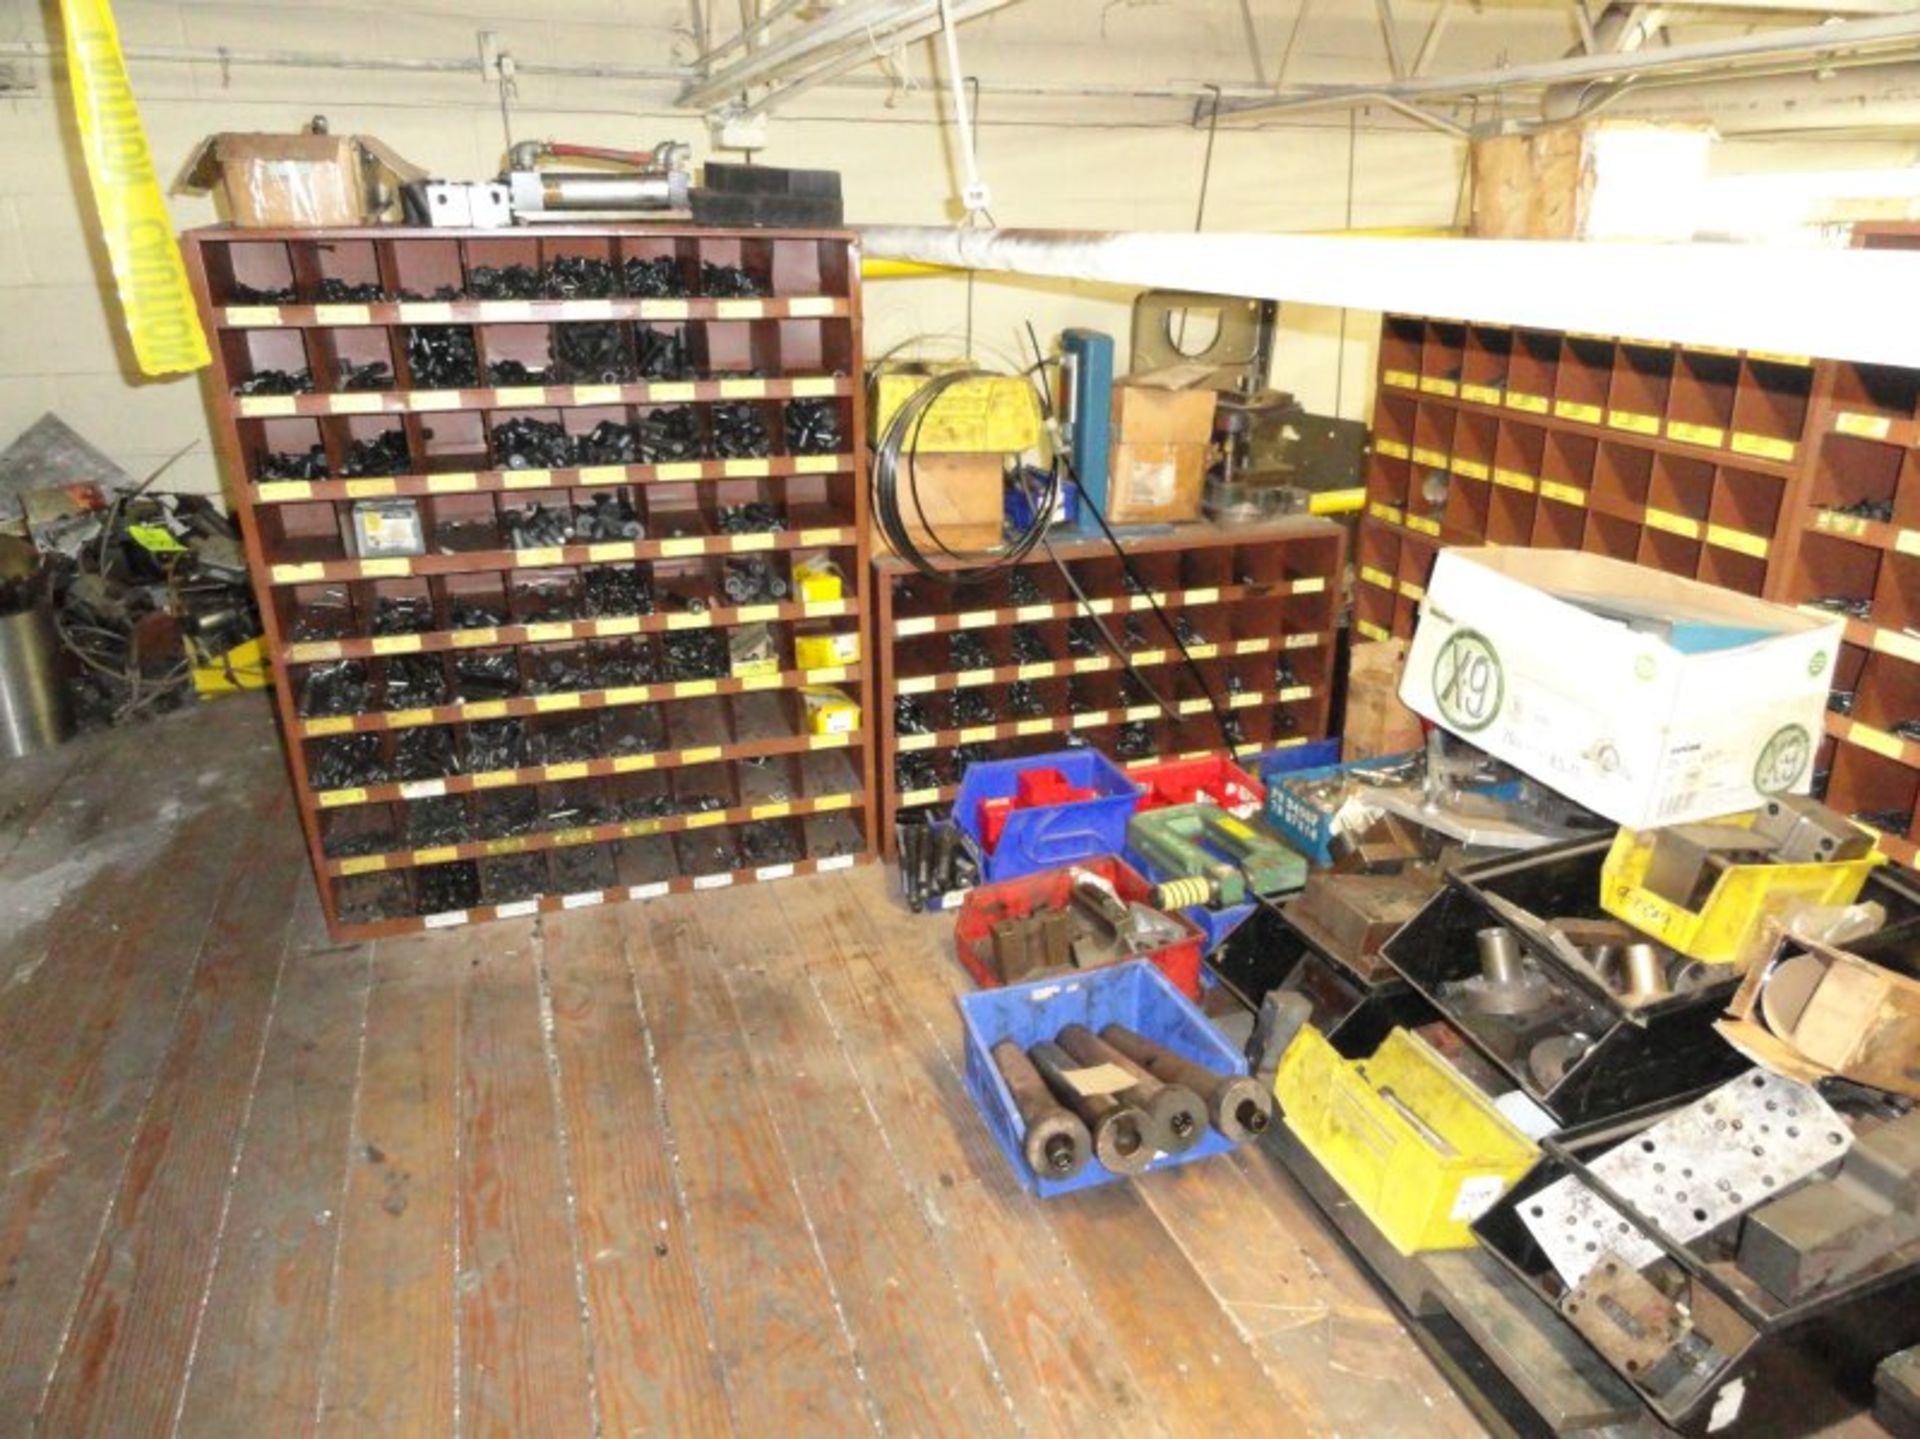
700 1166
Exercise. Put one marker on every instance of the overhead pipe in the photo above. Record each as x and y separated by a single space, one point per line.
1847 36
1842 304
1621 29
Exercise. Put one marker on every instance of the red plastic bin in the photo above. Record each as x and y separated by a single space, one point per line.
1183 781
987 905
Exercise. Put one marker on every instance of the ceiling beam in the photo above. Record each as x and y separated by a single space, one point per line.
1389 33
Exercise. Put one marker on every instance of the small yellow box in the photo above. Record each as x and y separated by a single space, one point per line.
1727 928
1414 1144
819 652
996 414
817 579
829 711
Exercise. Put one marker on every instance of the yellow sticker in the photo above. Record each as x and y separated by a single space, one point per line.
548 704
1312 585
1529 404
610 550
1437 385
973 734
1370 630
496 778
408 719
911 797
1480 394
297 574
1412 591
754 614
602 475
1728 538
356 404
1712 436
815 387
452 484
1035 726
628 763
513 396
832 536
368 489
396 644
336 798
706 819
264 407
484 710
577 769
1770 357
247 316
771 811
586 309
437 854
1878 741
1565 494
665 309
689 622
1393 449
739 309
1437 459
474 639
1907 542
694 689
1514 480
1832 522
679 470
1424 525
678 392
1867 427
596 394
1578 411
746 544
907 742
701 755
820 464
534 559
278 492
314 652
1900 646
1766 447
1376 576
743 389
1472 469
803 307
746 469
342 315
387 569
674 549
1400 379
1633 421
549 630
362 864
1673 524
426 312
526 479
1042 671
326 725
1380 511
1206 595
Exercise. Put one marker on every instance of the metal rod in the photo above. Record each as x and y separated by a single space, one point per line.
1848 35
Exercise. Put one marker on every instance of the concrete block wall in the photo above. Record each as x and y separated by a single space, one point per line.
1096 163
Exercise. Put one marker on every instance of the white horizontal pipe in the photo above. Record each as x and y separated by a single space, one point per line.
313 60
1838 304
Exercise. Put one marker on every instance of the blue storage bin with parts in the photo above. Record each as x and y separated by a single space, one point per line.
1134 994
1215 924
1047 836
1293 812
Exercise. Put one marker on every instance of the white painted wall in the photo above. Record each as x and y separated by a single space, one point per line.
1100 164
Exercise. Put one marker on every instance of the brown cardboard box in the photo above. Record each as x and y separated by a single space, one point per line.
1155 483
961 497
1826 1012
1162 430
301 180
1377 723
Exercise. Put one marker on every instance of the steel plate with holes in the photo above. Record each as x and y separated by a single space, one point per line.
1739 1146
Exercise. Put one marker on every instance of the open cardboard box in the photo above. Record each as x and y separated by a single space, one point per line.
1710 706
299 180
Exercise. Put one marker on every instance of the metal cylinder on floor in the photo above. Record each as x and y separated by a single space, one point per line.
34 713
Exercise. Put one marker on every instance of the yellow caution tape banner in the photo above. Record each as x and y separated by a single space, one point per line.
147 269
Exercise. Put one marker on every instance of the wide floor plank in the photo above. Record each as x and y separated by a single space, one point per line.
128 1346
915 1343
523 1354
391 1349
263 1337
784 1349
655 1368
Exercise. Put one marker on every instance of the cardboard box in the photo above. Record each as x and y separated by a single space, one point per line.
300 180
960 497
1155 484
1377 723
1826 1013
997 414
1525 653
1162 434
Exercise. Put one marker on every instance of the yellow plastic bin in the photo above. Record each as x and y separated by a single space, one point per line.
1726 929
1417 1147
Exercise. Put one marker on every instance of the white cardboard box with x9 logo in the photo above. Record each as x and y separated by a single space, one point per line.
1650 699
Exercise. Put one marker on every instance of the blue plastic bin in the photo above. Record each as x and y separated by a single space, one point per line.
1311 755
1306 826
1215 924
1134 994
1053 835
